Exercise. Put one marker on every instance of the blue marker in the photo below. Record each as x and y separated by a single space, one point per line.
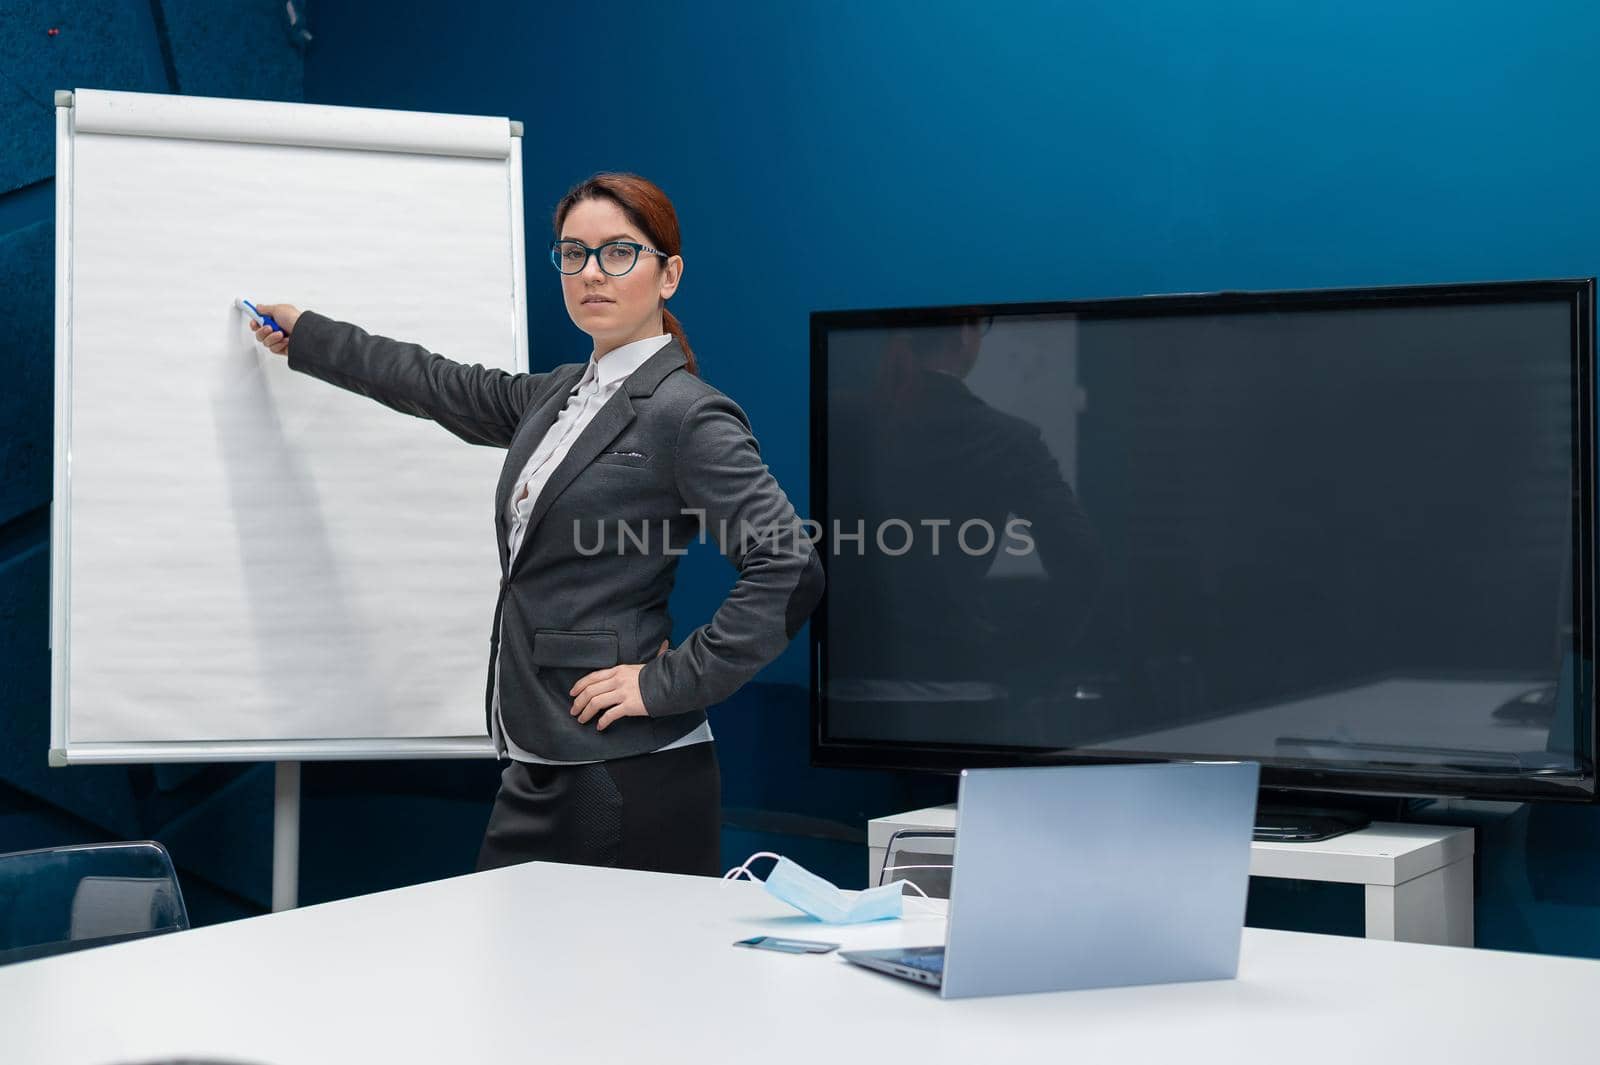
264 319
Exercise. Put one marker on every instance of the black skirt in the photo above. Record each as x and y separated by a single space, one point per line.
660 812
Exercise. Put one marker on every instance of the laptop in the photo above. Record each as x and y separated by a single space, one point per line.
1072 877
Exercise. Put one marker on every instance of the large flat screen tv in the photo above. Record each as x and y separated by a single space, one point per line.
1347 533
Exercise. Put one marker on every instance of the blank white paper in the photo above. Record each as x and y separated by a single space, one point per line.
254 554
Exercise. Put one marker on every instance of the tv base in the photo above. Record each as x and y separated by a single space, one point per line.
1288 825
1286 817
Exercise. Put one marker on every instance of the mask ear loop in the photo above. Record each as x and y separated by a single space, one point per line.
909 881
743 872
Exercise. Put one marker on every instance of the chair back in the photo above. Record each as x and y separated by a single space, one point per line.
60 899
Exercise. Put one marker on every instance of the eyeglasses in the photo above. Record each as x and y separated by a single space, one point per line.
616 257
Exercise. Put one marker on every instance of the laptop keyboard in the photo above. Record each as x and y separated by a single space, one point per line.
932 962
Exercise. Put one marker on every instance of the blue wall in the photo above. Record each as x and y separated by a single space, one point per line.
835 154
841 154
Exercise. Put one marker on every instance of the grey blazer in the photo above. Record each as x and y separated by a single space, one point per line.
666 460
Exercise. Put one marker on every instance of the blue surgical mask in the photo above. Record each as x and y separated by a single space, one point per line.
810 893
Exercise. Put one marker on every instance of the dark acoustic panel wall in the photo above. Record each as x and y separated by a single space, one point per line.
234 49
95 45
27 366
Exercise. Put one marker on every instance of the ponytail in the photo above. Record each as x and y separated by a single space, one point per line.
675 327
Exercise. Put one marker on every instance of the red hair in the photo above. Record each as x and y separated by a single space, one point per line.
648 208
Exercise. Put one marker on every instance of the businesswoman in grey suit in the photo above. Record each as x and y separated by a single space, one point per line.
614 465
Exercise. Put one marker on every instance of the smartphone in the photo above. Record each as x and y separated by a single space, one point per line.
787 946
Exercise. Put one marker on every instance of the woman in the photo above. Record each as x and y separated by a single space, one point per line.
614 466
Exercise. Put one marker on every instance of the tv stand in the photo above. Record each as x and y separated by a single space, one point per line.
1417 878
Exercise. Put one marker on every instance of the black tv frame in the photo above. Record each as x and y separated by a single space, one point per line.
1579 293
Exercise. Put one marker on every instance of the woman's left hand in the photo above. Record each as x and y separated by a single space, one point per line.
614 690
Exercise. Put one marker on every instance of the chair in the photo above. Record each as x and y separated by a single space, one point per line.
927 854
61 899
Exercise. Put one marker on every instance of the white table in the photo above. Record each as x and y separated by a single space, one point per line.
1417 878
566 964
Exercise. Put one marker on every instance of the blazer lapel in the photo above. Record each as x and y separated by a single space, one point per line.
608 423
528 436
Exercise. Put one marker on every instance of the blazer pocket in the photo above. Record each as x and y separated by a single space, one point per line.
623 458
595 649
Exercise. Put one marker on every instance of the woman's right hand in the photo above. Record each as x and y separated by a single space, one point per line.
286 315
